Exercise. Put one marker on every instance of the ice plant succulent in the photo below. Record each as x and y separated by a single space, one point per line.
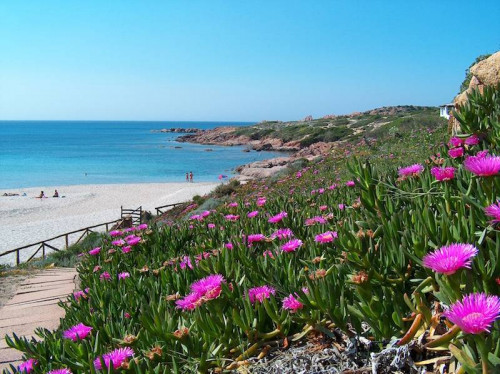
411 170
27 366
456 152
292 245
326 237
483 166
260 293
282 234
278 217
76 332
95 251
292 304
493 210
448 259
252 214
209 287
114 358
475 313
443 174
60 371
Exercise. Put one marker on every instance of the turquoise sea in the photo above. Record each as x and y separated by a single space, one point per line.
57 153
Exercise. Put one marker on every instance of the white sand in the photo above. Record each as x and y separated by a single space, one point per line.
25 219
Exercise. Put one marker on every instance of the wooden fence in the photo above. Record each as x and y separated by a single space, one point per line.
135 214
160 211
44 243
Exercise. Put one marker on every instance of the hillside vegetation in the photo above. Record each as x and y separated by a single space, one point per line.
383 243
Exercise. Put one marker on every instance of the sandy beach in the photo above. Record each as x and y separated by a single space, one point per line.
26 219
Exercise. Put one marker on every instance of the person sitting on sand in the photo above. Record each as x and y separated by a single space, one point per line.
56 194
41 196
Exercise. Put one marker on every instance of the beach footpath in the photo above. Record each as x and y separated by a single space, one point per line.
34 305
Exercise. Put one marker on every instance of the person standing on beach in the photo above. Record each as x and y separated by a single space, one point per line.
187 177
191 177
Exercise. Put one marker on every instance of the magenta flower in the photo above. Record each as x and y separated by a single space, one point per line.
326 237
123 275
76 332
448 259
314 220
118 242
232 217
482 153
206 213
292 304
332 187
126 249
115 358
282 234
129 229
189 302
298 175
233 204
350 183
186 262
278 217
255 238
472 140
252 214
493 210
455 142
268 253
211 226
292 245
142 226
323 207
95 251
456 152
483 166
229 245
209 287
443 174
261 201
133 241
115 233
475 313
260 293
78 294
105 276
341 206
60 371
196 217
27 366
411 170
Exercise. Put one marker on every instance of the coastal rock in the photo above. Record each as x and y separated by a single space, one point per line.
308 119
179 130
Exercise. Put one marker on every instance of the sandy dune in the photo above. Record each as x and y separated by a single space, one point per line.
25 219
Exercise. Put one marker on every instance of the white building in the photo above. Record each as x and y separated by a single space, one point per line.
445 110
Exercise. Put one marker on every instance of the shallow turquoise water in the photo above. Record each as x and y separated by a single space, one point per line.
55 153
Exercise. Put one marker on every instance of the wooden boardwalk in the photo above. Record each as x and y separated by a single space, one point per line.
34 305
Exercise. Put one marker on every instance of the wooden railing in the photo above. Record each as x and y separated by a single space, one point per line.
160 211
135 214
44 243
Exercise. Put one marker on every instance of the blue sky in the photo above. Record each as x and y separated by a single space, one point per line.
234 60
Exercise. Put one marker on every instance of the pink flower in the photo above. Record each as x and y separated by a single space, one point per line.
482 153
115 358
118 242
79 294
196 217
233 204
332 187
456 152
278 217
268 253
292 304
321 191
493 210
298 175
350 183
260 293
323 207
472 140
229 245
448 259
455 142
186 262
115 233
261 201
105 276
95 251
60 371
255 238
27 366
475 313
189 302
126 249
142 226
326 237
411 170
123 275
231 217
127 315
252 214
443 174
292 245
211 226
209 287
76 332
483 166
133 241
206 213
282 234
129 229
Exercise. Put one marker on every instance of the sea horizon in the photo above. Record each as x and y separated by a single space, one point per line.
53 153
